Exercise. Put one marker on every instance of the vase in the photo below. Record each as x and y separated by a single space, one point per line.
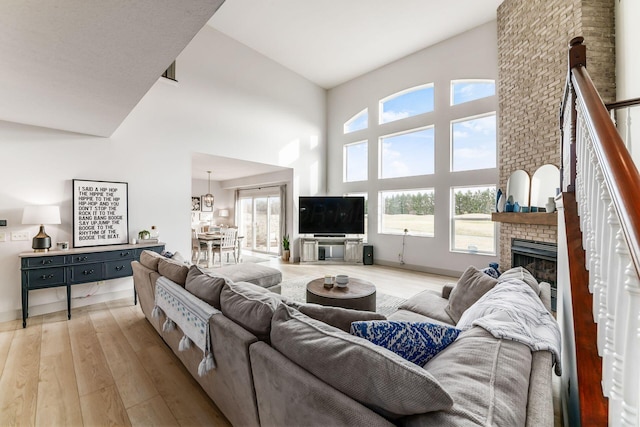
501 202
551 205
498 196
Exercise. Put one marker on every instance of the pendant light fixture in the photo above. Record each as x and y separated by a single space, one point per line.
207 199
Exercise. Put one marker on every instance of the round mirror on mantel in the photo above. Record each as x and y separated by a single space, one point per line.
544 183
518 187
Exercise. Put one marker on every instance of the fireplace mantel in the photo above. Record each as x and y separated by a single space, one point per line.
532 218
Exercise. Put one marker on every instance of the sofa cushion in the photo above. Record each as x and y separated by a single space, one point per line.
173 270
250 306
418 342
338 317
257 274
487 378
150 259
428 303
204 286
470 287
523 274
372 375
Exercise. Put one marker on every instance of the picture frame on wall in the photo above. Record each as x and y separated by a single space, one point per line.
195 203
205 207
100 213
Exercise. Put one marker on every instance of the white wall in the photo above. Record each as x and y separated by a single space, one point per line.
628 71
222 199
230 101
472 54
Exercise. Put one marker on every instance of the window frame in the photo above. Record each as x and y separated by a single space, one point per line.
452 104
353 118
452 213
345 160
409 232
405 132
451 140
401 93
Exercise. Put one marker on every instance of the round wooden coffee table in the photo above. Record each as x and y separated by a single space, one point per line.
358 294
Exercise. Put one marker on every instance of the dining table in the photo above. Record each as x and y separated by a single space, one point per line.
211 238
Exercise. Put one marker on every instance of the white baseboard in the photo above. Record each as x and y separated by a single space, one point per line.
52 307
440 271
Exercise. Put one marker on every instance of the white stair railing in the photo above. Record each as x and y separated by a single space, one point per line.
607 187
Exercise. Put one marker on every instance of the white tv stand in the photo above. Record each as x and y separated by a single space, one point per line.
336 250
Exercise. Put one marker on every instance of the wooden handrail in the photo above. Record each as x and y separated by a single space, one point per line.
621 104
618 168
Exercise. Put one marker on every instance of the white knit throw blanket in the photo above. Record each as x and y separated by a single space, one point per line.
513 311
191 314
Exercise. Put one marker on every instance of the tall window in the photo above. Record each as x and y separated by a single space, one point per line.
356 161
408 103
471 227
411 210
469 90
473 143
358 122
407 154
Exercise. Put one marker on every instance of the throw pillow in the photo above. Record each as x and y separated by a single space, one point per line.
523 274
374 376
418 342
250 306
204 286
173 270
470 287
491 272
150 259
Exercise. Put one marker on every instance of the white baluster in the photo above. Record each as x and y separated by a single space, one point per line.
632 349
620 334
604 248
616 265
596 231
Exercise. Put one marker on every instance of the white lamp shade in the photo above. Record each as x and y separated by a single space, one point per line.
223 213
41 215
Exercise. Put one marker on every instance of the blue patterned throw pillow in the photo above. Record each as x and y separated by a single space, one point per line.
418 342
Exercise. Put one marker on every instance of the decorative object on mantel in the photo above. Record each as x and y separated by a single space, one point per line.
499 199
516 207
207 199
100 213
518 186
551 205
41 215
543 185
509 206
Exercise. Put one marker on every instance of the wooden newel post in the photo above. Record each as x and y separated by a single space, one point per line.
577 57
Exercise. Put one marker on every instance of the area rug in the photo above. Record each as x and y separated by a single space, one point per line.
296 289
245 259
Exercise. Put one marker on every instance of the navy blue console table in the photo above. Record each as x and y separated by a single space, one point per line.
42 270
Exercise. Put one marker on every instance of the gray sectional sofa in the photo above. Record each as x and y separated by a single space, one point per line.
280 363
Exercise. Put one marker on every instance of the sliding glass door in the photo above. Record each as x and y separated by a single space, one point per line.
259 220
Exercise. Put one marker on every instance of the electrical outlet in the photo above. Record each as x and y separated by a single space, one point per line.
3 236
19 235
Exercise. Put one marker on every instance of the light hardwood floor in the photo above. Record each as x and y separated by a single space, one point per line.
108 366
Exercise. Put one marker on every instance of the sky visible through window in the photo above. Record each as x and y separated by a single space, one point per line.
411 103
358 122
356 161
469 90
407 154
474 144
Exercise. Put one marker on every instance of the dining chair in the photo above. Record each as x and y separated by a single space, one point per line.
227 245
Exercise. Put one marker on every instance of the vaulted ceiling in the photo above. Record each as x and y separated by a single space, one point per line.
83 65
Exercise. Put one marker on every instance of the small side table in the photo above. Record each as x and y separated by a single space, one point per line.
358 295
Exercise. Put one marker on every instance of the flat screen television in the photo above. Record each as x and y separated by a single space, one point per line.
328 215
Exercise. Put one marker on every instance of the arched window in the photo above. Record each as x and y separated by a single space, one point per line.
469 90
407 103
358 122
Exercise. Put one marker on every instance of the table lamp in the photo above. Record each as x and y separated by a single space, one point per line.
41 215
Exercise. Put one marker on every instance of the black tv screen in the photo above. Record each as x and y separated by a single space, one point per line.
331 215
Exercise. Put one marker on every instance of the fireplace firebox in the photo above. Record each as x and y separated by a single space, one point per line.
540 258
